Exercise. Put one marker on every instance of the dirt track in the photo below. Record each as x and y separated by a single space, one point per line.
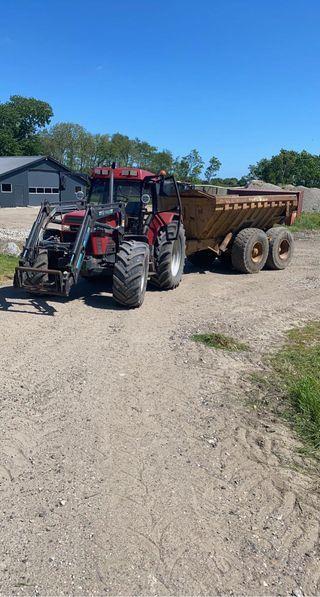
130 462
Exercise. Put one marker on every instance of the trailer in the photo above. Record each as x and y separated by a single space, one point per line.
244 228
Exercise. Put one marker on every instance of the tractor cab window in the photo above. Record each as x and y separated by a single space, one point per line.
124 191
127 191
99 191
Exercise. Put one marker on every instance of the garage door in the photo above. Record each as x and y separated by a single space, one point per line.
43 186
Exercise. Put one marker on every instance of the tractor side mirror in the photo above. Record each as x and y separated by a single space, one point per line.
80 195
145 198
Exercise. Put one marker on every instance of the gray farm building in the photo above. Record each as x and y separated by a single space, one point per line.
30 180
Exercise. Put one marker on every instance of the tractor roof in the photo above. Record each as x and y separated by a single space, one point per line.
119 173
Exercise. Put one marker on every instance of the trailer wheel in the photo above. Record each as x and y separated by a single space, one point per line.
281 248
202 259
130 274
169 260
250 250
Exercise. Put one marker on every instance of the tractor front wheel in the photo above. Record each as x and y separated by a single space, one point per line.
130 274
170 256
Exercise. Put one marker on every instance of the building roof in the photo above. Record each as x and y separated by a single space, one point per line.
8 163
14 163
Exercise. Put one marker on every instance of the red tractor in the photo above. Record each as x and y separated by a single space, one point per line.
129 226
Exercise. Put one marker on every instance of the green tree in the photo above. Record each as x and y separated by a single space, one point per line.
189 167
288 167
21 119
212 169
162 160
142 153
70 144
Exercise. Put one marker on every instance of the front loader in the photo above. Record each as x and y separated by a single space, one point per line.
129 227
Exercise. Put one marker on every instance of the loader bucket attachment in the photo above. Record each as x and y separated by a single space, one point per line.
44 281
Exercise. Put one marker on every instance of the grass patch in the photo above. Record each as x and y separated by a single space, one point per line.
297 366
8 264
214 340
306 221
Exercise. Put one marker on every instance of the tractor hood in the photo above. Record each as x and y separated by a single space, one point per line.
73 218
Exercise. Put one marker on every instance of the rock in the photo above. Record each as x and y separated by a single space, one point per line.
297 593
11 249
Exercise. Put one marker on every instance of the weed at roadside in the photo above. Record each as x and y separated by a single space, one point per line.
220 341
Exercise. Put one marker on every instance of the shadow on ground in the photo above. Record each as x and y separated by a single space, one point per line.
20 301
217 267
94 293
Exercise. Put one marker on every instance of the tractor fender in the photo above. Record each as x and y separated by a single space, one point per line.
157 223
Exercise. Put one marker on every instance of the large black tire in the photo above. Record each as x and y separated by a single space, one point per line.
250 251
170 256
281 248
130 274
40 262
202 259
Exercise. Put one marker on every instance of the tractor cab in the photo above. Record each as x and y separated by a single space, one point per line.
133 188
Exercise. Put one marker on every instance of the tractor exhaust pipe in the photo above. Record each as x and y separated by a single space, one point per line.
111 183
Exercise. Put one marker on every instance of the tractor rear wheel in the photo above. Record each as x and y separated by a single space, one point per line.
130 274
281 247
250 251
170 256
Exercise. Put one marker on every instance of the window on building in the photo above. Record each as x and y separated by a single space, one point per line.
48 190
6 187
55 190
32 190
40 190
77 189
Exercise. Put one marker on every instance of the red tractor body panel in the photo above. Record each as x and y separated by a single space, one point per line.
157 222
99 243
121 173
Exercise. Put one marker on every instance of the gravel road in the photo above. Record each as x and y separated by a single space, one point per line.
131 462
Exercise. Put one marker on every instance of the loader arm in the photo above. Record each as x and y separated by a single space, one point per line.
32 276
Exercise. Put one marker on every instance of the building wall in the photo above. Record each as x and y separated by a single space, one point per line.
19 195
45 177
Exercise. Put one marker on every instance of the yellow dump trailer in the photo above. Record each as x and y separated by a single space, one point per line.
242 225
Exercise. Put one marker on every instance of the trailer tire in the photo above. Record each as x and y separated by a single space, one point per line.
130 274
250 251
170 256
281 248
202 259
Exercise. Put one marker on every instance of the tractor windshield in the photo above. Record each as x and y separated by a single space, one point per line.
123 190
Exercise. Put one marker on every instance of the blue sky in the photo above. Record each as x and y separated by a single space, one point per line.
238 79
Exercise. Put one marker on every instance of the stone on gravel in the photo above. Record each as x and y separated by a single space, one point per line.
11 249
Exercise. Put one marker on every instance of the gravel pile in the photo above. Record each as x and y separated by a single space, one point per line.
311 196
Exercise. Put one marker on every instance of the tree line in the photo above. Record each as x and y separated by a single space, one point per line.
289 167
25 130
